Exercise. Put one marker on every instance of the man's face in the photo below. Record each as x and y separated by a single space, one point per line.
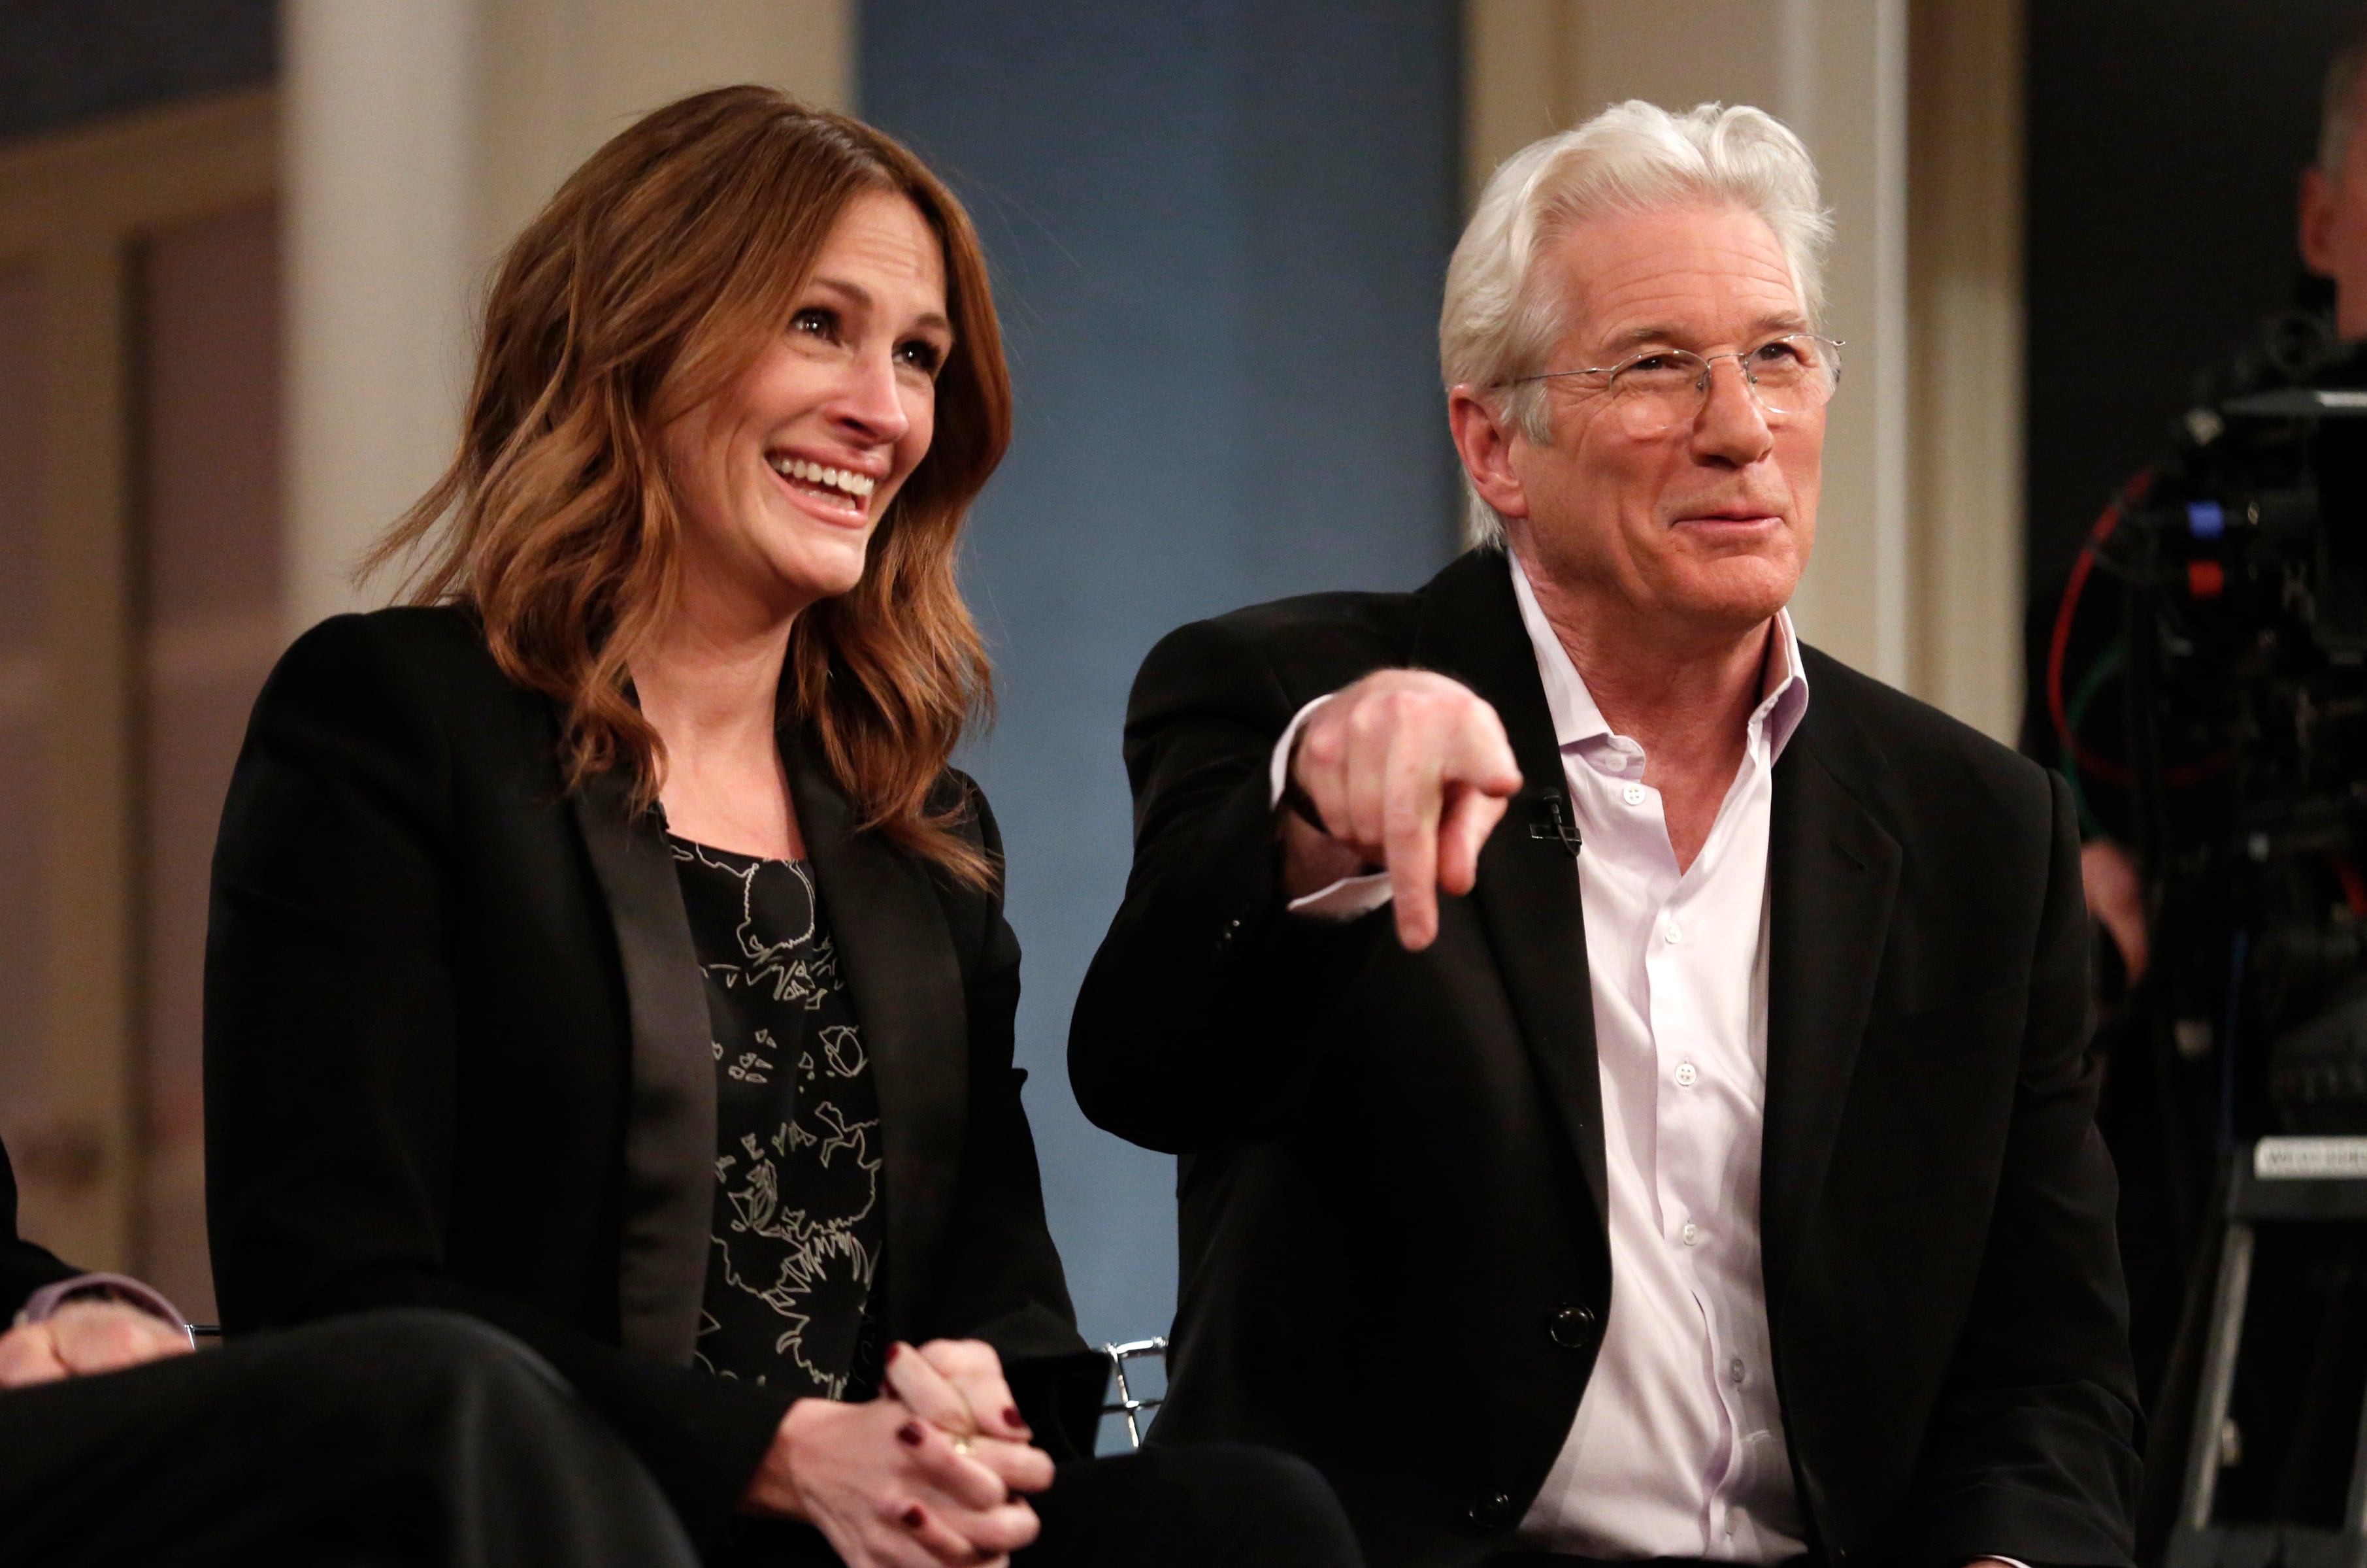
2334 232
1705 528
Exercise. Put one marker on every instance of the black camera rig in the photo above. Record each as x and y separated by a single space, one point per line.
2240 768
2206 684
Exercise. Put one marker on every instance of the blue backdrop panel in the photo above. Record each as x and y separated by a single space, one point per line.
1218 231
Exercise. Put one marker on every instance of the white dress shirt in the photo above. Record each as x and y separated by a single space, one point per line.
1678 1447
1677 1450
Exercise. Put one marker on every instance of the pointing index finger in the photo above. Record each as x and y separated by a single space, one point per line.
1409 835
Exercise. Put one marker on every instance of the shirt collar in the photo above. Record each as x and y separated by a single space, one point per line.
1784 688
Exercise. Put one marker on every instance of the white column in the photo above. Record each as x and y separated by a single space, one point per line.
1967 308
564 75
1836 72
379 155
420 135
1845 93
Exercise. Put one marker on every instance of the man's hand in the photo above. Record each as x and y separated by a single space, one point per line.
84 1340
925 1474
2115 894
1410 772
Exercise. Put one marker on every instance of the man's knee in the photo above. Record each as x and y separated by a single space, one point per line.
1264 1480
1256 1506
395 1368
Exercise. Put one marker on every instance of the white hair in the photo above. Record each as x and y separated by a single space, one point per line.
1497 324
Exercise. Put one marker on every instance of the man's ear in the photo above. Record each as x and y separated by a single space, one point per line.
1483 438
2316 228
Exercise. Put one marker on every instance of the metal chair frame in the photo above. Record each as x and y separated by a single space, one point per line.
1128 1402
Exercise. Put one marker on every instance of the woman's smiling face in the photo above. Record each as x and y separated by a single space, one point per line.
784 474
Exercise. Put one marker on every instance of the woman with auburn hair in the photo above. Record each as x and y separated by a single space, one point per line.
602 944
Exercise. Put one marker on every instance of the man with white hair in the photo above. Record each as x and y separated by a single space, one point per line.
1629 1068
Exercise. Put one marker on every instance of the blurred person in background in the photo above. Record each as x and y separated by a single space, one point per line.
2318 338
2158 1115
602 945
1562 981
396 1438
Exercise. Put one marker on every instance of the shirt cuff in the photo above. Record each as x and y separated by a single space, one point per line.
43 1304
1278 769
1350 897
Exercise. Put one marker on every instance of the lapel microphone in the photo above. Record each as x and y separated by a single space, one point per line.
1550 821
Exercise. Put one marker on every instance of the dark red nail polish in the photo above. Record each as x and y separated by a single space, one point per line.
914 1518
908 1434
1011 1418
895 1349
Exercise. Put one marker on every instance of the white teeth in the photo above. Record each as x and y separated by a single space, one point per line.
846 481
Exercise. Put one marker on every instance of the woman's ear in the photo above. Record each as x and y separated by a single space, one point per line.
1483 438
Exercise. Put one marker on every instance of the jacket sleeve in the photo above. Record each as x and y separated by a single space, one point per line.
2032 1449
334 1092
1003 1279
23 1268
1206 986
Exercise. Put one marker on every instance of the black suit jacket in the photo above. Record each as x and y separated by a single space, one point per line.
1395 1259
457 1052
23 1268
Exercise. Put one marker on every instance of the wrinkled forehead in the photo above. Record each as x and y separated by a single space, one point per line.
1695 278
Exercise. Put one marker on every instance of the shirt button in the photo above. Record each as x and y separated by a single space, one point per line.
1692 1232
1633 795
1674 934
1687 1075
1734 1369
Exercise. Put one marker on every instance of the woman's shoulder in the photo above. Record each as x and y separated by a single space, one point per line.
411 664
956 801
973 910
442 639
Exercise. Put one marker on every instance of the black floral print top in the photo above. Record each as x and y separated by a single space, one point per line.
794 1264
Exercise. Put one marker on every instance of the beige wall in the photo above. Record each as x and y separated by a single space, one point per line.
420 135
87 217
205 554
1917 573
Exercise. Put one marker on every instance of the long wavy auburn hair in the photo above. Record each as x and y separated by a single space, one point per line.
655 276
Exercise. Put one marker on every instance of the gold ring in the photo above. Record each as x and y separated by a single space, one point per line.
961 1445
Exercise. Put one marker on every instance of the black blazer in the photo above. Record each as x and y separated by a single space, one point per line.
1395 1259
23 1268
457 1052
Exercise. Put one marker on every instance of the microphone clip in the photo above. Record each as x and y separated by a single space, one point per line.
1551 821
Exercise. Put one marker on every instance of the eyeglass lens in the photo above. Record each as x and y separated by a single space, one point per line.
1667 387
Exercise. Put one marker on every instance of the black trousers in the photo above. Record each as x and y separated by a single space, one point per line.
392 1438
1197 1505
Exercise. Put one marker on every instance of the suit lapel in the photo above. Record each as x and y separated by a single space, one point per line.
670 1114
1832 876
1527 894
905 980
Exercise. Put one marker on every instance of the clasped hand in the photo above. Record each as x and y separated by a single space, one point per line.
928 1473
1410 772
83 1338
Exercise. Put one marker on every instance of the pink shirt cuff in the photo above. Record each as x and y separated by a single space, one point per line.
43 1304
1350 897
